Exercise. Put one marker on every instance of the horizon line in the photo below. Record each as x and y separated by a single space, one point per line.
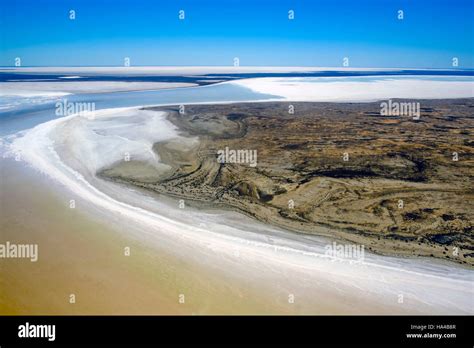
227 66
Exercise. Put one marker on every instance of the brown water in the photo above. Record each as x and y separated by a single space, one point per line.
83 256
81 253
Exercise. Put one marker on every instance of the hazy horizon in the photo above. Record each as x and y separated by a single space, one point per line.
237 67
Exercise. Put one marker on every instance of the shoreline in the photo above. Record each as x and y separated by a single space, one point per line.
327 89
169 156
265 260
81 251
144 277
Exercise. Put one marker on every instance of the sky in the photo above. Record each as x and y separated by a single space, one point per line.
258 32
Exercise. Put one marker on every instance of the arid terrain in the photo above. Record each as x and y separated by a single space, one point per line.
397 185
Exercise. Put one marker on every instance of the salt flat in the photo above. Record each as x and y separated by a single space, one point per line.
66 87
223 243
180 70
361 89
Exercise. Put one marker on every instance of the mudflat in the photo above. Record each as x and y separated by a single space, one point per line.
398 185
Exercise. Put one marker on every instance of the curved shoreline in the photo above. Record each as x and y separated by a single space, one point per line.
251 252
40 153
193 177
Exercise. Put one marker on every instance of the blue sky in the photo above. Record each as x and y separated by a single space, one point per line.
258 32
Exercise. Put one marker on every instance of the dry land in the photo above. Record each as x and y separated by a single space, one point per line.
342 170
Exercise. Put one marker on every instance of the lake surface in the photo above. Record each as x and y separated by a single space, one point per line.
21 113
29 112
231 265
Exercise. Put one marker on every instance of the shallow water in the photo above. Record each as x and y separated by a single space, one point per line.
28 112
250 265
19 113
